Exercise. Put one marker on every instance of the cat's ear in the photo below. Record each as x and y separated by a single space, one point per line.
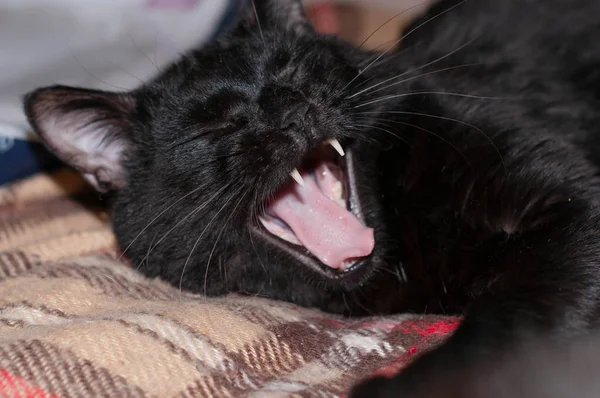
288 15
89 130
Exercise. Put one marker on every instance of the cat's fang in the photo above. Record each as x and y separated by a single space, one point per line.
297 177
337 146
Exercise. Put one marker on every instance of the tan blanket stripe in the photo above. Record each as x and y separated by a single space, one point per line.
76 322
58 370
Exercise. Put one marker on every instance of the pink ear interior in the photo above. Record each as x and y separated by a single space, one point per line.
87 129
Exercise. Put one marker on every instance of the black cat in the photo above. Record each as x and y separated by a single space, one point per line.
456 173
533 369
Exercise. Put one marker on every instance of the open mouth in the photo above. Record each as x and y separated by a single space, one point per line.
317 215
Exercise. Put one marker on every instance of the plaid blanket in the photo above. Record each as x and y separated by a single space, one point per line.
75 322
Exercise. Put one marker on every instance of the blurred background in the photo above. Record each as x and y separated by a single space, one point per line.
117 44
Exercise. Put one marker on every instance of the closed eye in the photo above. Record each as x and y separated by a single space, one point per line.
210 131
189 139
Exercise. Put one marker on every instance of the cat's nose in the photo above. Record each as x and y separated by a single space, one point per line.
295 116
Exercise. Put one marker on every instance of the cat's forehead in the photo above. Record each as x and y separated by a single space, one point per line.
236 74
249 62
272 52
268 55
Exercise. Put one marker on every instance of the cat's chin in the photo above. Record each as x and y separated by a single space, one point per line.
318 219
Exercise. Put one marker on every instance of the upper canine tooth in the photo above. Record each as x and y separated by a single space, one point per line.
297 177
336 145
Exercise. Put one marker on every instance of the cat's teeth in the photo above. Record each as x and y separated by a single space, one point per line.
337 146
297 177
337 192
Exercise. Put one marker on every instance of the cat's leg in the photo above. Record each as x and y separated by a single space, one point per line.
547 286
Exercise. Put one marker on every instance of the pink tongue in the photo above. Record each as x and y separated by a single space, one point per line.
329 231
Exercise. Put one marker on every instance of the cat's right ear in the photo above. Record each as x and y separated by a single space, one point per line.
89 130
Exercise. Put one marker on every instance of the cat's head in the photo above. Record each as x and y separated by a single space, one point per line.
236 168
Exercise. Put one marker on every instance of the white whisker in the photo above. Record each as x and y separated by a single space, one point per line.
156 218
428 132
415 69
385 130
391 19
402 38
450 120
196 210
201 235
424 74
215 245
256 219
258 21
388 97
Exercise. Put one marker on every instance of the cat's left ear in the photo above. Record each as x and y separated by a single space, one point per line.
89 130
285 15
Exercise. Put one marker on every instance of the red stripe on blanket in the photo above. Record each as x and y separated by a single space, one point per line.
441 327
16 387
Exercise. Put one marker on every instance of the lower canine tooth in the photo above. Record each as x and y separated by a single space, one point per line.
337 146
297 177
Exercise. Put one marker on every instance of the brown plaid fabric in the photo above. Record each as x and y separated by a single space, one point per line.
75 322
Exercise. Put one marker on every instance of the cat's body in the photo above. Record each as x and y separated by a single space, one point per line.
472 152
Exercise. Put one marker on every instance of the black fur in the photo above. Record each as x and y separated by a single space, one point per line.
478 168
537 368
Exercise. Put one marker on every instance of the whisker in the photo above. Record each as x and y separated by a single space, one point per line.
125 71
384 269
90 73
429 132
201 235
425 74
392 56
142 51
415 69
357 301
395 134
254 216
214 246
361 137
156 218
383 45
258 21
402 38
382 62
196 210
276 23
391 19
387 97
385 130
346 303
150 248
451 120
